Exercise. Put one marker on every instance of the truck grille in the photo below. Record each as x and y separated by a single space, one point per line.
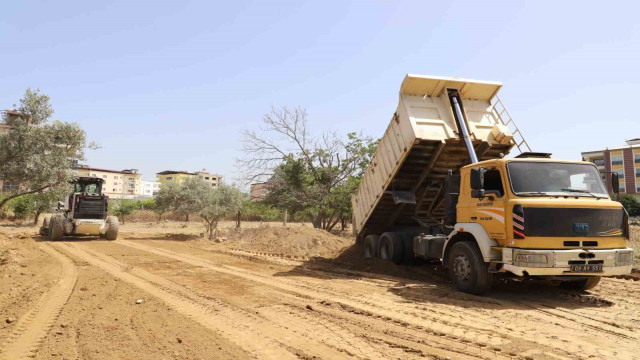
574 222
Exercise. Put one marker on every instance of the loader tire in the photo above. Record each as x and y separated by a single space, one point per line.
371 246
44 229
56 228
467 268
112 228
582 285
391 247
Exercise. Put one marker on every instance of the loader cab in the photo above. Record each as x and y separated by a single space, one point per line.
88 185
87 200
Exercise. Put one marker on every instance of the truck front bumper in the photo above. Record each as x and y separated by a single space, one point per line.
523 262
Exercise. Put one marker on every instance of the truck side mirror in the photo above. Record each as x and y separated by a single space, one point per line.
615 183
477 182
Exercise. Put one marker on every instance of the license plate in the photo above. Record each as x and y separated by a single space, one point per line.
586 268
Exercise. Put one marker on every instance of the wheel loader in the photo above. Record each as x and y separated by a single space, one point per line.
83 213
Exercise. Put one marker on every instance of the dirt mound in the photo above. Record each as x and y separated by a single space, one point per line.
297 241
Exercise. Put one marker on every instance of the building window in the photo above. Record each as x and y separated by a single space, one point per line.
104 176
616 160
637 158
598 162
169 178
638 172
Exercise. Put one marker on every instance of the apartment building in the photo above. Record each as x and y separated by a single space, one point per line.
150 188
214 179
180 175
624 161
258 191
118 184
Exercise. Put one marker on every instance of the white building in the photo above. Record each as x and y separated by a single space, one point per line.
149 188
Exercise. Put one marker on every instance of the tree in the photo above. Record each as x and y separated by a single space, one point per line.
305 173
216 204
37 154
123 208
630 203
189 194
166 198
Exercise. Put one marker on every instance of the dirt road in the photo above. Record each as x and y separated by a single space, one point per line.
161 299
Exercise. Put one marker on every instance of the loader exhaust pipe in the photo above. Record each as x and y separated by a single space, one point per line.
458 114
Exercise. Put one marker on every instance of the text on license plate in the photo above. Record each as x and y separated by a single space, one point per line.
587 268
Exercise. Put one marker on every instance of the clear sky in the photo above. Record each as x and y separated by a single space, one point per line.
170 85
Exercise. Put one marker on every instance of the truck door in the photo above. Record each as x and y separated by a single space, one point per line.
489 211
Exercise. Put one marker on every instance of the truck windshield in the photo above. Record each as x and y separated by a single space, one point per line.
548 178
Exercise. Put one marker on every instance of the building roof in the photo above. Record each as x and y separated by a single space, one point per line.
630 146
170 172
126 171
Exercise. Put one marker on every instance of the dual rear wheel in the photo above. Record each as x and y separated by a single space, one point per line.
388 246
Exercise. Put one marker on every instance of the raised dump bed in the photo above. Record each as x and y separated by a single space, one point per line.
404 183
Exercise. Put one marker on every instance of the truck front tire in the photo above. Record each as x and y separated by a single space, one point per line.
391 247
371 246
56 228
582 285
467 268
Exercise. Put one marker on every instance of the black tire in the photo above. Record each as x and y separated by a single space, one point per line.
409 257
467 269
112 228
370 249
391 247
56 228
583 284
44 229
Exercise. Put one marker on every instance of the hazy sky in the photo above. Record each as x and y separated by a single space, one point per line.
170 85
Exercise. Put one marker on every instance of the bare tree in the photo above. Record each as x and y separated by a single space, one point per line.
304 172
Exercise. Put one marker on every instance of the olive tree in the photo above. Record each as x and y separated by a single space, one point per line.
216 204
189 194
37 154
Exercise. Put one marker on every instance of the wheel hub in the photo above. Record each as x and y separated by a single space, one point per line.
462 268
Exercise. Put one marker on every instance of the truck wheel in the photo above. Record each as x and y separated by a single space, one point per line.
56 228
112 228
371 246
584 284
409 257
391 247
467 269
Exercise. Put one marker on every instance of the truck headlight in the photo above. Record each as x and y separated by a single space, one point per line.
532 258
624 258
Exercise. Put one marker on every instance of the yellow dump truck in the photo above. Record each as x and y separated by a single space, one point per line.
439 187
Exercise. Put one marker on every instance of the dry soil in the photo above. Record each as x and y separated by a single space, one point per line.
282 293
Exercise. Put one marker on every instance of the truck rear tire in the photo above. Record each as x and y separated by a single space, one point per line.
409 257
582 285
391 247
56 228
112 228
371 246
467 268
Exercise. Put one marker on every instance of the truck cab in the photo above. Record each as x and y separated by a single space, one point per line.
543 217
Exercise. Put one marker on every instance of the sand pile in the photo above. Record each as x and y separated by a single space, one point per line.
298 241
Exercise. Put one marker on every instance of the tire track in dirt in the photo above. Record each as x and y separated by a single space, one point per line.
258 336
34 325
550 312
448 325
313 330
444 321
